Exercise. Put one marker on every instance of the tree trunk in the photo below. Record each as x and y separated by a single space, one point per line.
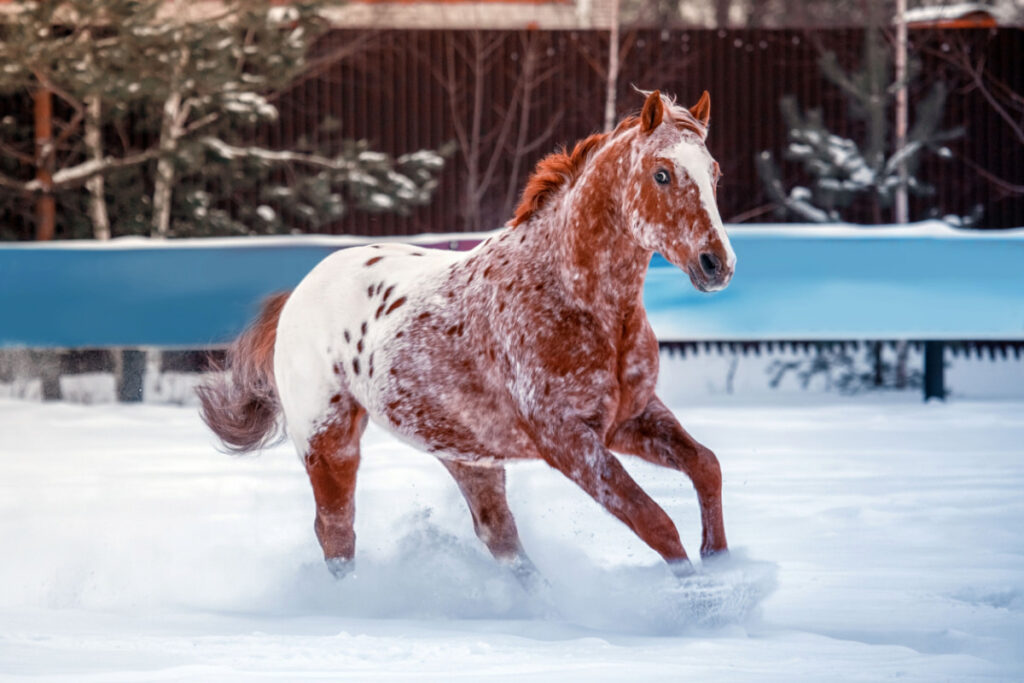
901 208
162 188
902 355
95 185
46 205
722 8
171 131
611 85
474 210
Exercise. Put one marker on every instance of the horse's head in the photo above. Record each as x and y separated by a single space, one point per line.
671 192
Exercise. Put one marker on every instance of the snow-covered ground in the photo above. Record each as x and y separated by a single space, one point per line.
874 538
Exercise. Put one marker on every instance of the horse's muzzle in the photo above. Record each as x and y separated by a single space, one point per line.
708 273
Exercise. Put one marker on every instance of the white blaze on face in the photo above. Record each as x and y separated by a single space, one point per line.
693 160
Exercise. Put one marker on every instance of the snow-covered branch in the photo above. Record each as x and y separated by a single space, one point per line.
232 152
74 176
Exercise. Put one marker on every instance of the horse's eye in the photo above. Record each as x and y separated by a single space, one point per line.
662 177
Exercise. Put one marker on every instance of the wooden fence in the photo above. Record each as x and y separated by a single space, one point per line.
413 89
507 98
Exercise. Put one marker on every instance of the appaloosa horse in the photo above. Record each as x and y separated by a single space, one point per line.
534 345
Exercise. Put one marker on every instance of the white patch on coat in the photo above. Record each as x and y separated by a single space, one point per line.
333 299
693 159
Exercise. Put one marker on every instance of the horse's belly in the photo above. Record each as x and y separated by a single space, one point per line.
425 399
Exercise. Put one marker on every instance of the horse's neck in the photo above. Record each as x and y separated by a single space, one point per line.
585 237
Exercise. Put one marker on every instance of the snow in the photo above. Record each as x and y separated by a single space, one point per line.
266 213
880 536
381 200
957 11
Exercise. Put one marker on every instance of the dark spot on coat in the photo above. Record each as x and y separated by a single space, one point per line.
423 316
336 398
362 328
348 338
375 259
369 291
359 346
387 292
380 309
395 304
355 365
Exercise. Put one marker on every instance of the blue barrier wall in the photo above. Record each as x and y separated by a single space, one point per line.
921 282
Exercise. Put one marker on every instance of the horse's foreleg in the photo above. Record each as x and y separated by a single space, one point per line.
584 459
332 460
656 436
484 491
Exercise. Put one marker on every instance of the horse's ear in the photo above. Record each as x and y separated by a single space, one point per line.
702 110
654 110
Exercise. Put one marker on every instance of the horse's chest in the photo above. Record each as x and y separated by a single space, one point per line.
573 363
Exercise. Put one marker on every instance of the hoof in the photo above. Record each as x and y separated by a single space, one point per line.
682 568
340 566
527 574
710 555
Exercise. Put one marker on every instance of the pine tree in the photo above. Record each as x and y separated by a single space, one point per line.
195 81
844 172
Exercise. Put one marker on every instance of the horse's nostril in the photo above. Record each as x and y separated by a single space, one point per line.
710 263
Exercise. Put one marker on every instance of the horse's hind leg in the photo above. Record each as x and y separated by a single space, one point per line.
484 491
656 436
332 458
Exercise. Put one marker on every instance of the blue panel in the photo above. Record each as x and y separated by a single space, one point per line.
789 284
160 297
819 287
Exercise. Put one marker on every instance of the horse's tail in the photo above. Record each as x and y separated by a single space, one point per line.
241 407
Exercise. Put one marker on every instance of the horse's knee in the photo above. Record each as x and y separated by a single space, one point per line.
710 471
700 464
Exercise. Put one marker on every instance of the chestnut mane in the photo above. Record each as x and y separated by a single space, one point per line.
562 168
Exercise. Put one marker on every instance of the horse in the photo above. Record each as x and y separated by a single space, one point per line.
533 345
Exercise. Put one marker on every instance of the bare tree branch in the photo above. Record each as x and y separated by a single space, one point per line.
1005 187
20 156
